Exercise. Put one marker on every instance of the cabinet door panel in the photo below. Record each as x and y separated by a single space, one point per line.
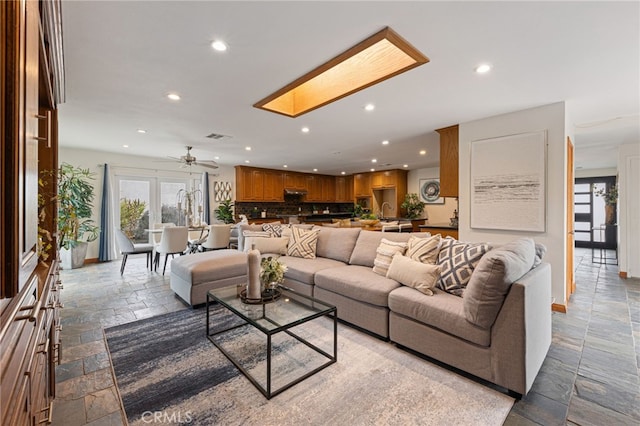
448 161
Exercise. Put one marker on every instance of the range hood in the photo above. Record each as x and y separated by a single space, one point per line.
295 191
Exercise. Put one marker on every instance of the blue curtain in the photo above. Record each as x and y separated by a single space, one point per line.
206 212
107 234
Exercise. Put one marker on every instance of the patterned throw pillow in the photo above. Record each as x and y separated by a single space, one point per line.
275 229
424 250
385 252
303 243
457 261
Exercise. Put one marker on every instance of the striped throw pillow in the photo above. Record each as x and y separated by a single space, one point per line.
424 250
384 255
303 243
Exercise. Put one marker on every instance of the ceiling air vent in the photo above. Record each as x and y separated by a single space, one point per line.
218 136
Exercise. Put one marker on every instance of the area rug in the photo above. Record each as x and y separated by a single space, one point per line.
167 371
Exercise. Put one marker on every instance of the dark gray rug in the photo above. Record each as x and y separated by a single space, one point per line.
168 371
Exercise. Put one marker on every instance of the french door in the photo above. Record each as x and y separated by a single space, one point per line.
143 201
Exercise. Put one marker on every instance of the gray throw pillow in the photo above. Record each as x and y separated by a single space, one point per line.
492 277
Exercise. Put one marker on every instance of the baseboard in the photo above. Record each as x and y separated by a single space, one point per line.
557 307
622 274
92 260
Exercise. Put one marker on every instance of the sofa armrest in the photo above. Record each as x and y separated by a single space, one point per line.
521 335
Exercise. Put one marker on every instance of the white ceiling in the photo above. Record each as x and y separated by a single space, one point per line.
123 58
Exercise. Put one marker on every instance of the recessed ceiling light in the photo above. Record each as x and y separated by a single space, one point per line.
481 69
369 107
285 166
305 130
343 173
219 45
125 146
423 152
142 131
385 142
315 170
373 160
247 161
247 148
405 165
173 96
373 170
217 157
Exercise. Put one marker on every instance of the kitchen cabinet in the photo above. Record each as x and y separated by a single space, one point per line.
448 161
321 189
386 179
295 181
255 184
362 185
344 189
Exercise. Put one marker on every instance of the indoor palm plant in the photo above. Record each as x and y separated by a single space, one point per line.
224 213
75 203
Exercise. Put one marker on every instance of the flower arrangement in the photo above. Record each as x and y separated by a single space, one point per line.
610 195
272 270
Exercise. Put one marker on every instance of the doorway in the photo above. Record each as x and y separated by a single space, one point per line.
589 223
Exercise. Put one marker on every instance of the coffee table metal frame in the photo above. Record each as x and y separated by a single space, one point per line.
316 309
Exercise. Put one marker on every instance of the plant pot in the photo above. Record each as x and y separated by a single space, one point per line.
73 257
610 214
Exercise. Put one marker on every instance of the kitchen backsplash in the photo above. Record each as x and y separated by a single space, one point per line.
292 205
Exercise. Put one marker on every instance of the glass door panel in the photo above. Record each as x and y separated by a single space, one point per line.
135 200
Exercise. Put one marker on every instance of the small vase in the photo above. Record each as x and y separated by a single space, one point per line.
610 214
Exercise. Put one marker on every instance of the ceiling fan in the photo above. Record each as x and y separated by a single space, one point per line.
190 160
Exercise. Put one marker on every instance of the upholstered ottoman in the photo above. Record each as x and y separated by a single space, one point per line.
193 275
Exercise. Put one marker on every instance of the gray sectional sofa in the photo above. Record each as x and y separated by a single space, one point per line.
499 331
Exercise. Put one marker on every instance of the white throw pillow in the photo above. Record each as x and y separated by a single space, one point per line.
303 243
421 276
384 254
424 250
275 245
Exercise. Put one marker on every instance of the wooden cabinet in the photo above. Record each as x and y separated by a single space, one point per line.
273 186
295 181
255 184
321 189
344 189
385 179
448 161
362 185
29 283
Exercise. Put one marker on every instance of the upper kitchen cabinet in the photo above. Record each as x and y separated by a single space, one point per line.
448 161
387 179
362 185
254 184
344 189
321 188
295 181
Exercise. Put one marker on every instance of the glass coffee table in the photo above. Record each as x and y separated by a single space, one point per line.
286 322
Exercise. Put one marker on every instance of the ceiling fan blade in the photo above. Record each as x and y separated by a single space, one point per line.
209 164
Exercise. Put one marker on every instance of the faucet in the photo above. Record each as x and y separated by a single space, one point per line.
382 208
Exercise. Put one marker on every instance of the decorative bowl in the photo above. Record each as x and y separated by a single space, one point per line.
369 222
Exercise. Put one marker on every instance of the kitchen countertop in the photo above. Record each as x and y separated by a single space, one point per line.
438 225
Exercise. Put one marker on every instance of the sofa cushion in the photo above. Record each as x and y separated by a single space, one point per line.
421 276
357 282
493 276
458 261
210 266
541 250
364 253
304 270
336 243
303 243
276 245
384 253
443 311
424 250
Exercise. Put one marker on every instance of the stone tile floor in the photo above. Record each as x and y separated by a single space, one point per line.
590 375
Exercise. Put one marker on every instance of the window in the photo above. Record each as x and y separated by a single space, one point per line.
590 213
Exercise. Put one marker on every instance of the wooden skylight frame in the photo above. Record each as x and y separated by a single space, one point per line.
377 58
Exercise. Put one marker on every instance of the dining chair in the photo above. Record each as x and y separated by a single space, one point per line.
128 247
156 236
218 238
173 240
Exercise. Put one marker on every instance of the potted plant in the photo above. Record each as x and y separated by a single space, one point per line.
369 219
610 197
413 205
224 213
75 227
271 272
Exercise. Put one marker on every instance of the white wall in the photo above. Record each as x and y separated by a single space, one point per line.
130 165
436 214
629 209
552 119
580 173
